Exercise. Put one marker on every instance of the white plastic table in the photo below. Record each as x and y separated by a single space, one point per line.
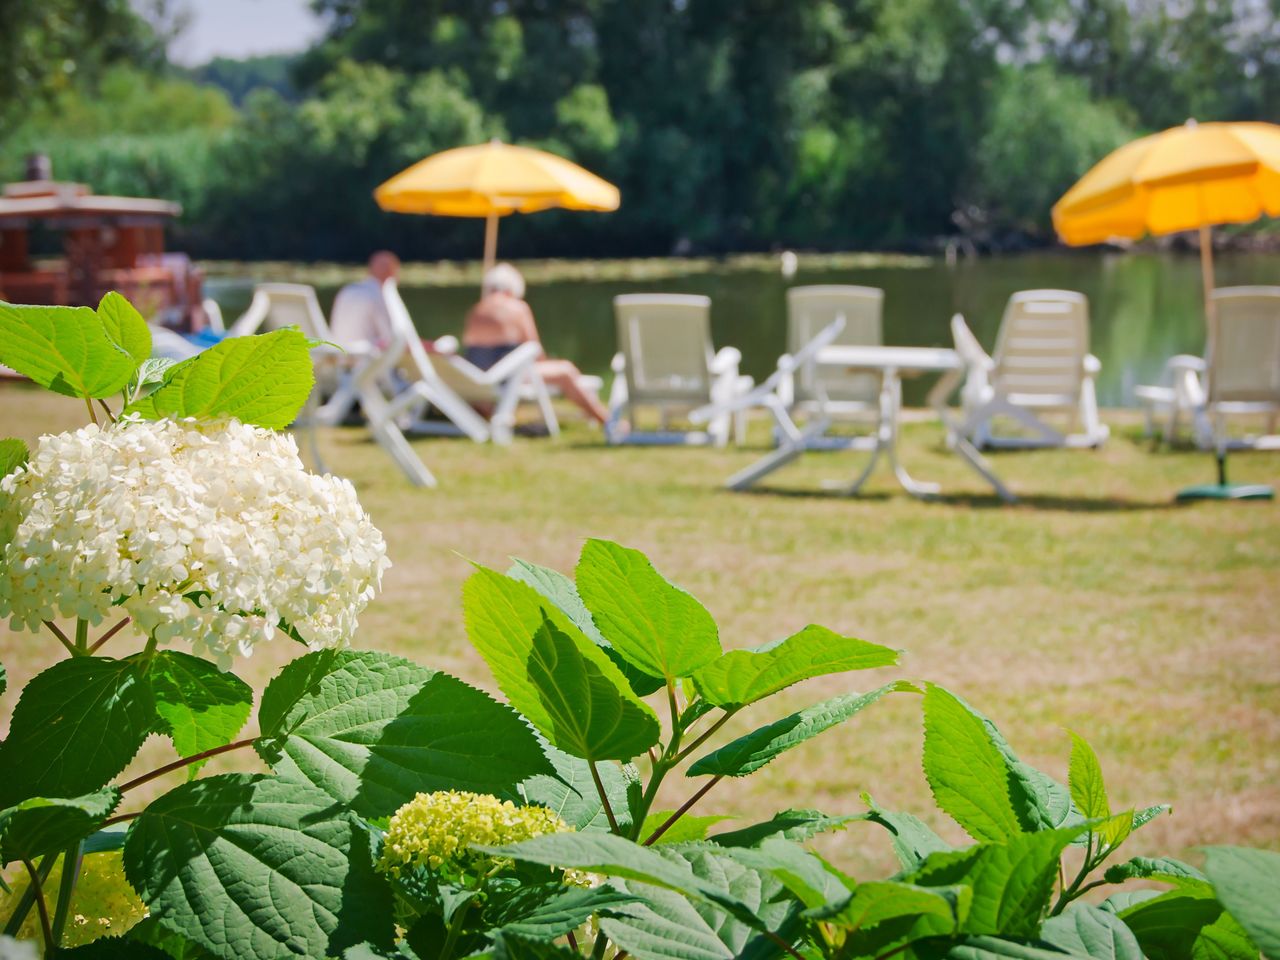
890 364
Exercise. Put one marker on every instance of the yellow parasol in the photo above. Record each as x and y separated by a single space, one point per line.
1191 177
491 180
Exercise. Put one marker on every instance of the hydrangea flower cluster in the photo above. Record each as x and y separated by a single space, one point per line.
212 533
437 830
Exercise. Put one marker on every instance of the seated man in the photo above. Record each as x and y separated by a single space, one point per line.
359 318
502 321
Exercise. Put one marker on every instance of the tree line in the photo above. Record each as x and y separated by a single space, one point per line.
729 125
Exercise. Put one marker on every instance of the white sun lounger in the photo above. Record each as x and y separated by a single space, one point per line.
665 360
454 387
1042 367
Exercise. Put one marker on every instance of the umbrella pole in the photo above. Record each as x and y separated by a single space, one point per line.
1222 490
1206 269
490 240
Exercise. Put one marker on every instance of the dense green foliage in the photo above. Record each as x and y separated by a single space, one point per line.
301 860
728 126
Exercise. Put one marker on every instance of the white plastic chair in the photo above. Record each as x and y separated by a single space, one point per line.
454 387
1042 367
1242 365
665 360
351 377
831 393
1178 395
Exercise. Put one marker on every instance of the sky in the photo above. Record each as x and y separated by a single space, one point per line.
243 28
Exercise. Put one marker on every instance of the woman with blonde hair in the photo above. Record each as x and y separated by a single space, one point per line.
502 321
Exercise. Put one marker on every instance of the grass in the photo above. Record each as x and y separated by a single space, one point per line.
1094 604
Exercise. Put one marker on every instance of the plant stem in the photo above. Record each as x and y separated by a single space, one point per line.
604 798
121 818
72 860
784 945
573 941
1073 891
455 928
82 636
597 949
706 734
28 899
62 638
89 405
186 762
107 410
109 634
49 946
702 791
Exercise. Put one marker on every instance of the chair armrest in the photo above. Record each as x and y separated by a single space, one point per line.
446 344
726 360
513 363
1092 365
967 346
1185 362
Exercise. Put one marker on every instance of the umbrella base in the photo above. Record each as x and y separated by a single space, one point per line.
1226 491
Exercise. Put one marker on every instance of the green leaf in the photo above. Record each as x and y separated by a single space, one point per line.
1088 931
545 917
813 881
76 726
669 926
200 706
912 840
563 594
263 380
114 948
151 373
372 730
787 825
175 946
687 828
989 948
653 624
1084 776
879 901
1153 868
249 866
751 752
66 349
554 675
1247 883
509 947
965 770
41 826
615 856
571 793
13 454
125 326
740 677
1012 881
1188 924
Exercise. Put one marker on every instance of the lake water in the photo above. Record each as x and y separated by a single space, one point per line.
1144 307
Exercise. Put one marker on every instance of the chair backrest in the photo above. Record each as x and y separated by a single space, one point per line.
277 305
1244 345
1043 340
666 341
413 360
809 311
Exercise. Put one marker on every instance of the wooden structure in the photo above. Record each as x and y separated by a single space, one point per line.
108 243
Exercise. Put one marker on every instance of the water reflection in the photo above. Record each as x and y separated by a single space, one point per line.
1145 307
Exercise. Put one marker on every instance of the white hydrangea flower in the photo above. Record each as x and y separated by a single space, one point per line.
210 533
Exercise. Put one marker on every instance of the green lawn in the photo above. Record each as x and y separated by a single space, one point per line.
1094 604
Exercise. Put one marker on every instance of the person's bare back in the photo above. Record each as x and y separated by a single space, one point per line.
499 320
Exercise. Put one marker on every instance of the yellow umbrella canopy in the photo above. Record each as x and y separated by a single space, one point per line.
492 180
1191 177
